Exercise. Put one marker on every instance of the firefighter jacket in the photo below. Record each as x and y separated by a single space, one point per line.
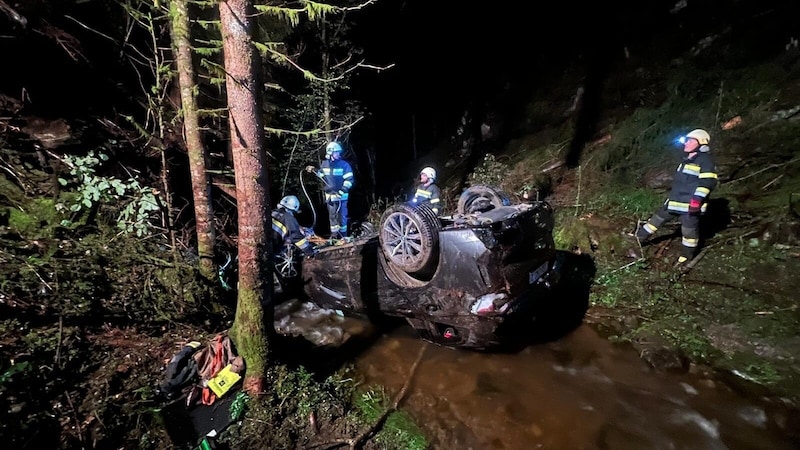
288 230
427 194
695 178
338 178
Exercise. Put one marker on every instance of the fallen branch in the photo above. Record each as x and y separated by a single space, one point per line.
769 167
630 263
696 259
750 291
60 340
772 182
78 426
357 441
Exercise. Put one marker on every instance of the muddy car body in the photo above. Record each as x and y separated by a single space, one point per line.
458 280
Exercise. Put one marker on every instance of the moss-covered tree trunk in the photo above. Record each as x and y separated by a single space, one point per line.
243 85
201 186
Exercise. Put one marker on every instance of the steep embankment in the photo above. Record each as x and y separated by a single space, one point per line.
736 309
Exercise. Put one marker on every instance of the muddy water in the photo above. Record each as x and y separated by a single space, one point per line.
580 392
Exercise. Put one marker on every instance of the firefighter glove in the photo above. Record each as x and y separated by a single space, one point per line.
694 206
311 169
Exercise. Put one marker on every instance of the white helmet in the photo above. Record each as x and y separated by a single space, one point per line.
430 172
333 147
291 203
702 136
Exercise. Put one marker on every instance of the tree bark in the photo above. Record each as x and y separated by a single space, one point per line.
243 85
201 186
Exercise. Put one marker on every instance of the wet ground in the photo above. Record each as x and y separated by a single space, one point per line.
579 392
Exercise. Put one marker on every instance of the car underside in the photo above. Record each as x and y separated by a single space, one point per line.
459 280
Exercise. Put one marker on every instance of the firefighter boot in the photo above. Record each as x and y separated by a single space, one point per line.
687 254
642 235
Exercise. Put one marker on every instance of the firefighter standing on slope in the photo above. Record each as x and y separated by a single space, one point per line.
285 225
337 175
694 180
427 192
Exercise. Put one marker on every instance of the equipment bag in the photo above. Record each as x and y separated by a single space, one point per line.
181 371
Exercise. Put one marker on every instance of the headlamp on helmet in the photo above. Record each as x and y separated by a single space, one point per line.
702 136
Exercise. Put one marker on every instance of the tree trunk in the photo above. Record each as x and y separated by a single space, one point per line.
201 187
243 85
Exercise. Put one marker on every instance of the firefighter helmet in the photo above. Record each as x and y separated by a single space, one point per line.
430 172
291 203
702 136
333 147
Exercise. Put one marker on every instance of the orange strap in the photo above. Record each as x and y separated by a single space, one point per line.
216 366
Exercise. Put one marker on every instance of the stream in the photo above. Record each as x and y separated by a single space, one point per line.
579 392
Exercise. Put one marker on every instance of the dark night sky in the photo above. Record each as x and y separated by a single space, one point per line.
451 56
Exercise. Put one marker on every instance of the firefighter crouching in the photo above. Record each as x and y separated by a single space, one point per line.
286 227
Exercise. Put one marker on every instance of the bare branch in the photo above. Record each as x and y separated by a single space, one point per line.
309 133
13 14
312 76
769 167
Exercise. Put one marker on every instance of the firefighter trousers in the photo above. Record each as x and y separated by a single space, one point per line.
690 229
337 213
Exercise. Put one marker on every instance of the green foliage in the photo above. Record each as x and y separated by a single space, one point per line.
762 372
239 405
300 393
614 286
35 219
138 203
310 9
630 201
570 232
490 172
399 431
17 368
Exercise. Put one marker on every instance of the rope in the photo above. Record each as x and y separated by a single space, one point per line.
308 197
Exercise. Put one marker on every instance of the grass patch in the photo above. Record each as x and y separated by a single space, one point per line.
399 432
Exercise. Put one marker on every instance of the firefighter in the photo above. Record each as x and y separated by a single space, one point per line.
694 180
427 192
337 175
286 227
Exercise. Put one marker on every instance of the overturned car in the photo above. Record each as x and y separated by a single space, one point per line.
459 280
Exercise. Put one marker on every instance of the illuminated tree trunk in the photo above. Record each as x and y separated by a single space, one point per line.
243 85
201 187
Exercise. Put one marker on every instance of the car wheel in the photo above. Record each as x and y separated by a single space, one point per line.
481 198
409 238
286 261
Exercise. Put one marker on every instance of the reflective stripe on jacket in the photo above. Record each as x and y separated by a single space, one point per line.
287 228
695 177
338 178
427 195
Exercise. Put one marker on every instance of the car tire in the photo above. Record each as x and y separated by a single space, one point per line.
363 230
482 197
409 238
